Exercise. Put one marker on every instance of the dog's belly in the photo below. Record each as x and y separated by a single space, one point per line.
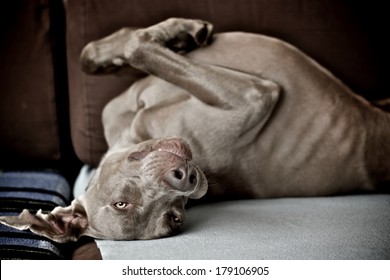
290 165
308 150
305 167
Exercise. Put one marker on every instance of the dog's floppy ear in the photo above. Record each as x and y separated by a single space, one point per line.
63 224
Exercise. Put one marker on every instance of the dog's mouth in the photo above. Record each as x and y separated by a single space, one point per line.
175 146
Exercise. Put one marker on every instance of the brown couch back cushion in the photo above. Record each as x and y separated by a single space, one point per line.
337 34
28 113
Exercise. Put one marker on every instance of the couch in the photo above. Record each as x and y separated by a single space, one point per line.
50 126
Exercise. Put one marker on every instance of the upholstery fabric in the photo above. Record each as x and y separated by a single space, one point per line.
344 227
32 191
28 114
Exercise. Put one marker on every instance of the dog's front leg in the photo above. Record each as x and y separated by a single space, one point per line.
147 50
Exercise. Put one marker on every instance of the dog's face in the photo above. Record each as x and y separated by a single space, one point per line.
141 192
137 193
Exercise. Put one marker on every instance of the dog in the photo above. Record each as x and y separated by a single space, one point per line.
256 115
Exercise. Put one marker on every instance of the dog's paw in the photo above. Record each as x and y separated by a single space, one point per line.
116 51
181 34
106 55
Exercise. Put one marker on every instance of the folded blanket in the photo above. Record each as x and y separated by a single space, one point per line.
32 191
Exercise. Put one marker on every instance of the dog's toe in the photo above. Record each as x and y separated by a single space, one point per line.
203 35
86 59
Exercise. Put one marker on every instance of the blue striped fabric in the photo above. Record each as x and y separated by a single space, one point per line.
32 191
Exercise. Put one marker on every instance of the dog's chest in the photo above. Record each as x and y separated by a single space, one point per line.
165 110
159 107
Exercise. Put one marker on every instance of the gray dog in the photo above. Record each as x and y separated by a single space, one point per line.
257 116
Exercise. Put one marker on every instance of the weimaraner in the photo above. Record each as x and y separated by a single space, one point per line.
253 114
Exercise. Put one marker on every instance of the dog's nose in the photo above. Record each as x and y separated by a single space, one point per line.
183 178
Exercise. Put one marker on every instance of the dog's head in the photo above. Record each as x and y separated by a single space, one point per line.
136 193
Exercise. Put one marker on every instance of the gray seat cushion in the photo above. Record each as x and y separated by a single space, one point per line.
343 227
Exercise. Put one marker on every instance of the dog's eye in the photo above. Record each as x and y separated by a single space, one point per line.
121 205
175 219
